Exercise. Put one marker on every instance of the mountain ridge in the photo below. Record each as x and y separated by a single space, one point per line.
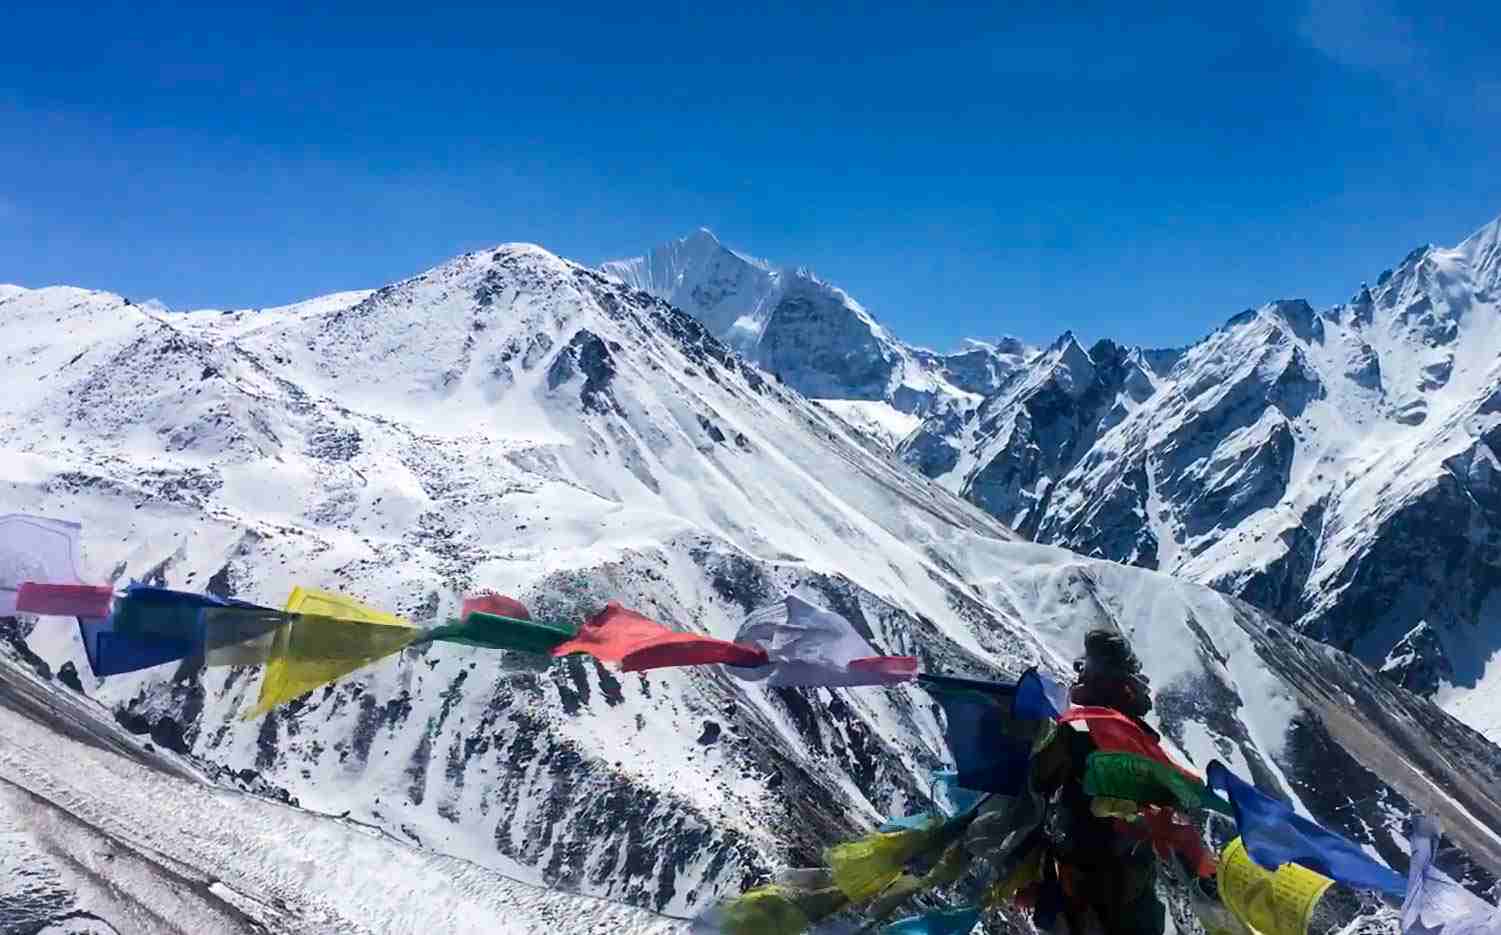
1283 458
1397 343
513 421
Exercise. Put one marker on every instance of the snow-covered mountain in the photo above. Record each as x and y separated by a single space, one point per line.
514 421
877 419
810 334
1337 468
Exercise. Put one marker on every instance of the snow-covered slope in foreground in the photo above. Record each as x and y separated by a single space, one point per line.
515 421
1340 468
103 833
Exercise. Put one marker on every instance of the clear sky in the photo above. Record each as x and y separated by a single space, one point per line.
995 168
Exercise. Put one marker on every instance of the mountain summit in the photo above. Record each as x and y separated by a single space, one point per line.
811 334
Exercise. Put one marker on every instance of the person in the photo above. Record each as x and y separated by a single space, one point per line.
1109 675
1101 881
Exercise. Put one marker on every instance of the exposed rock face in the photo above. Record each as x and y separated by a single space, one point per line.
1338 468
1417 662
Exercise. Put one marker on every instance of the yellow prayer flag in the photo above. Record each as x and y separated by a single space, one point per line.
1279 903
328 637
765 910
312 651
1026 872
328 604
864 867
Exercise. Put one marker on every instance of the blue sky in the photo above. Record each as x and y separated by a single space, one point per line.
961 170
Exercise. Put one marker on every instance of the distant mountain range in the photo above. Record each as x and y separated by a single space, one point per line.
1339 468
514 421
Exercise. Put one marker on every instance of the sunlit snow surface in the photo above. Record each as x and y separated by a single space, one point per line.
513 421
101 833
875 417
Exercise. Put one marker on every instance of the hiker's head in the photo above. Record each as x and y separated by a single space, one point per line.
1109 675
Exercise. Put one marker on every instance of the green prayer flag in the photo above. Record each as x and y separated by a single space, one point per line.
240 636
1144 780
492 631
170 619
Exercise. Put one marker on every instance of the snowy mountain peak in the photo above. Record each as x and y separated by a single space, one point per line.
732 294
810 333
1005 344
1482 252
1063 340
1010 344
1298 316
1072 368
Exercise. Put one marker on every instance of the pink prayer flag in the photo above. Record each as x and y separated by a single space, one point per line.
886 668
498 604
64 600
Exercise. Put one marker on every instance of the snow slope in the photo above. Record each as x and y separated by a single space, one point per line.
809 333
126 838
1338 468
515 421
877 418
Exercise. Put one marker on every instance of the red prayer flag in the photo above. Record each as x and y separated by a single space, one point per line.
64 600
1115 732
500 605
685 649
1167 834
623 636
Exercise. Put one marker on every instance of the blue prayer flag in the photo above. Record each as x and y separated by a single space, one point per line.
148 627
1039 697
112 653
949 799
1275 835
991 727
